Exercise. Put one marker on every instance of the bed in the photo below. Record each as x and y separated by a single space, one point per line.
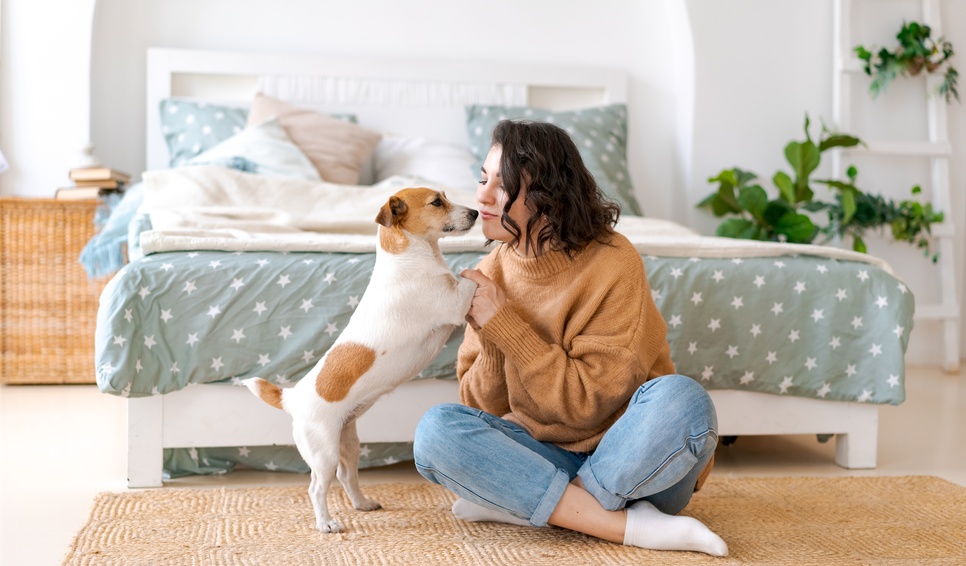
245 262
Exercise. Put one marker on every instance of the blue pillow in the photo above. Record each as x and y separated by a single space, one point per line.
600 134
191 128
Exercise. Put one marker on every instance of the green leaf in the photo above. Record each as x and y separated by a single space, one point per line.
838 140
804 158
753 199
797 228
848 206
739 228
775 210
859 245
786 188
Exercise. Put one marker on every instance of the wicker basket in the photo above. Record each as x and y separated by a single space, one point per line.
48 307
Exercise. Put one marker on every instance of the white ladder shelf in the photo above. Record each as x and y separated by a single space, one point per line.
936 149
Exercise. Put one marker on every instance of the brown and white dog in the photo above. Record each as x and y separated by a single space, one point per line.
408 311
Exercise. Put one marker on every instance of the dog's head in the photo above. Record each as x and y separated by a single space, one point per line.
425 214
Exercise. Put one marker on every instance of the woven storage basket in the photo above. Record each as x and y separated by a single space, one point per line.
48 307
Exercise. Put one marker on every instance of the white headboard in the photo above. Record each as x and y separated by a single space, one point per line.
406 97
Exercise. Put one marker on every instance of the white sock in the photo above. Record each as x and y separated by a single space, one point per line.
649 528
469 511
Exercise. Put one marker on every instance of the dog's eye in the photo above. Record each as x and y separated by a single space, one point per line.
437 202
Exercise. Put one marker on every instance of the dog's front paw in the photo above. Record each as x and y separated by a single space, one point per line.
330 526
367 505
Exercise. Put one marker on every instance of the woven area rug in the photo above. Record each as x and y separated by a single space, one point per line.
857 520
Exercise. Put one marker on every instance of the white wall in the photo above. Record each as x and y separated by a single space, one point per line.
713 83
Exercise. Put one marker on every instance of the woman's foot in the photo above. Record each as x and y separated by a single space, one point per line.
647 527
469 511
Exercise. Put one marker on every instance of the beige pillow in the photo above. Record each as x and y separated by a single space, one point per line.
335 147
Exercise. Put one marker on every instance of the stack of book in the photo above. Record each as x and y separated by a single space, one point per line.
92 182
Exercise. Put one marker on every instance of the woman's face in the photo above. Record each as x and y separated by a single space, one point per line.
492 198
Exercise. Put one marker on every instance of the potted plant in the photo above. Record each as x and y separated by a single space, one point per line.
790 215
917 51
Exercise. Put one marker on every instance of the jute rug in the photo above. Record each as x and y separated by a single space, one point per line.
858 520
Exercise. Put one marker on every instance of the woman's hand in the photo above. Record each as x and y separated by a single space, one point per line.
487 299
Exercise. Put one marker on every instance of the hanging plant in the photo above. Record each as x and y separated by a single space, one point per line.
917 51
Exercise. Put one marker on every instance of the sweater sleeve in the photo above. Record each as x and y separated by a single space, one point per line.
479 368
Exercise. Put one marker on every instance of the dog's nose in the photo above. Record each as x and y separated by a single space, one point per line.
474 213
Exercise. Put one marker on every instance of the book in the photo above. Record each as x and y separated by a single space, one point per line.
105 184
80 193
98 174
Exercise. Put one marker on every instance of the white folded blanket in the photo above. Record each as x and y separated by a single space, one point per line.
214 208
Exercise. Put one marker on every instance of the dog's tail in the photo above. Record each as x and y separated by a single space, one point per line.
268 392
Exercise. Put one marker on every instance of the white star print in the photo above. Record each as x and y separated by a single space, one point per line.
737 261
810 363
238 335
675 321
330 329
676 272
259 307
214 263
213 311
821 268
718 276
747 378
144 292
307 356
862 275
193 254
759 281
262 262
174 368
893 380
166 267
902 288
128 314
306 305
780 264
841 295
771 358
881 302
696 299
285 332
800 287
263 360
738 302
166 315
898 331
354 299
755 329
237 284
308 261
714 324
149 342
329 278
283 280
137 366
216 363
692 347
119 340
793 336
778 308
876 350
244 452
655 294
824 390
785 384
189 287
192 339
856 322
818 315
708 373
107 368
732 352
865 396
835 343
271 466
850 370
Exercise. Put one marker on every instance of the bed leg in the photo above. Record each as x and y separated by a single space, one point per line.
857 448
145 451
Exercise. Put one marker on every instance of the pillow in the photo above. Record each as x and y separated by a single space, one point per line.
263 149
449 165
600 134
335 147
190 127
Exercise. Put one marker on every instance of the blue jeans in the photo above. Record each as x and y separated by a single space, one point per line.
655 451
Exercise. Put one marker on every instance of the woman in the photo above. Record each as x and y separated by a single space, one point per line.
570 414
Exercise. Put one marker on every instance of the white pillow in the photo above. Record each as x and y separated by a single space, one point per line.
264 149
444 163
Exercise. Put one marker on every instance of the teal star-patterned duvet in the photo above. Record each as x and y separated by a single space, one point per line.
800 325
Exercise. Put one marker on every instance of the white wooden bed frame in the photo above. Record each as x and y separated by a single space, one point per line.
214 415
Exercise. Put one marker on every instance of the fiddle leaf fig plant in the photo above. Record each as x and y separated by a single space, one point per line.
789 216
917 51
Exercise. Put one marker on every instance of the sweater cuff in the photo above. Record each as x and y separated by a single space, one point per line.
512 335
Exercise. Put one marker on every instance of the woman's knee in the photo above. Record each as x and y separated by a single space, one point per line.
435 431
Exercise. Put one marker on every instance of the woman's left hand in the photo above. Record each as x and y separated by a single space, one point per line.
487 299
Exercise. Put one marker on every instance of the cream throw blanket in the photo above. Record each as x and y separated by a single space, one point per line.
214 208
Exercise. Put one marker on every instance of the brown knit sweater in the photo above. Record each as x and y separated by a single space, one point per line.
574 341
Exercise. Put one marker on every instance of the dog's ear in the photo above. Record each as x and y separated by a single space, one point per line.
391 211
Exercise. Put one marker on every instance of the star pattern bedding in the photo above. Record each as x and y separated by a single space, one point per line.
803 325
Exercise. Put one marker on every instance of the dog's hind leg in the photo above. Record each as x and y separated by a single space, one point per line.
322 457
349 468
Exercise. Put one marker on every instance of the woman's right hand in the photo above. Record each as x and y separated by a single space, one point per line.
487 299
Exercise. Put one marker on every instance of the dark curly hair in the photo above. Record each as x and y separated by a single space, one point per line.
559 188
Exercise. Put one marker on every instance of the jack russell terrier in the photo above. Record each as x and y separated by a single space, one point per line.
407 313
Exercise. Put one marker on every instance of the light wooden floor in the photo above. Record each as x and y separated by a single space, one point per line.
61 445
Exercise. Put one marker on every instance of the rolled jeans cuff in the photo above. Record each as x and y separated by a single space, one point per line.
550 499
607 499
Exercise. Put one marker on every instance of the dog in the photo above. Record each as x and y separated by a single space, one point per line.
410 307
